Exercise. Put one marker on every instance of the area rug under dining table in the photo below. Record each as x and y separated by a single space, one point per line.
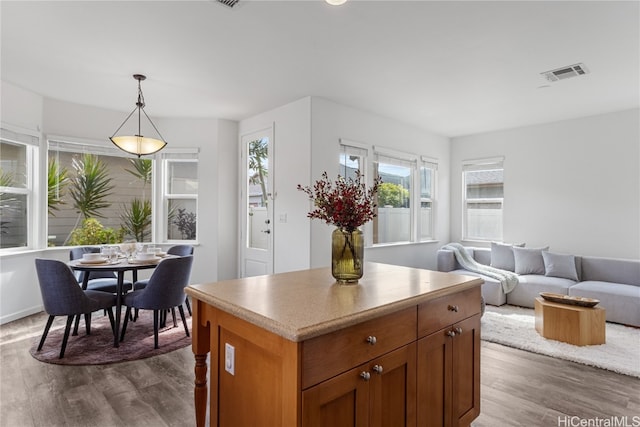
98 349
515 327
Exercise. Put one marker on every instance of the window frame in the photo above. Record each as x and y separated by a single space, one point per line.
30 140
487 164
432 164
167 157
361 150
410 161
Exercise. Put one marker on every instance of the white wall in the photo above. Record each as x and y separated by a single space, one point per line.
292 156
332 121
226 199
573 185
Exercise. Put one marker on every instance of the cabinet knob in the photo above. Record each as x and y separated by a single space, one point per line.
451 334
454 308
458 330
378 369
365 375
372 339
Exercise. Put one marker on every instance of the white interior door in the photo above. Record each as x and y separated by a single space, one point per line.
257 203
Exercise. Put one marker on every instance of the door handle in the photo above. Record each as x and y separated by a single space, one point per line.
266 231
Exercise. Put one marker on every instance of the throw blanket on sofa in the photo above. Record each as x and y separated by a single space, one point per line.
507 279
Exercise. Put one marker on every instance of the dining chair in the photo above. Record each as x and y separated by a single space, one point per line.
164 291
179 250
104 281
61 296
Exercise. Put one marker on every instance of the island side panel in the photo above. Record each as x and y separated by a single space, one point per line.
264 385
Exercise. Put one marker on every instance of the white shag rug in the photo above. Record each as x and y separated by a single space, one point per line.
515 327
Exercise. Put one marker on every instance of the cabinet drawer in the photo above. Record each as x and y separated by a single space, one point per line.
444 311
328 355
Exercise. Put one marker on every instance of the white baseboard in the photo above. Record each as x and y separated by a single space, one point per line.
20 314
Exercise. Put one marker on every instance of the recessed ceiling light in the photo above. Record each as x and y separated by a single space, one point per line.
336 2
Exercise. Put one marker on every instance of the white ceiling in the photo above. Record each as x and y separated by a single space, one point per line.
452 67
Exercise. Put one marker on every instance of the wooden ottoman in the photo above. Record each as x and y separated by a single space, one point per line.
570 323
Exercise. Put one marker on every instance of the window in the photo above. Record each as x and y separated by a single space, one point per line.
98 194
483 196
353 156
180 195
17 157
395 214
405 177
428 170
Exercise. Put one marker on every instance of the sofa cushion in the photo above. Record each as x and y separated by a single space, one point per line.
502 256
560 265
625 271
621 301
531 285
529 260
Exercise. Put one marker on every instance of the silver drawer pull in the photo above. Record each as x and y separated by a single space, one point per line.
365 375
458 330
372 339
451 334
378 369
454 308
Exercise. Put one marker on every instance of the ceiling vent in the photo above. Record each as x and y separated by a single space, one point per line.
229 3
565 72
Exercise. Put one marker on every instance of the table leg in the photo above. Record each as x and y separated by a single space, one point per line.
119 286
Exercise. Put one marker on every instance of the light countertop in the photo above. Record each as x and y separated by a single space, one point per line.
304 304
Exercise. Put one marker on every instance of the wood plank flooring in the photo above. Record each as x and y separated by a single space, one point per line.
518 389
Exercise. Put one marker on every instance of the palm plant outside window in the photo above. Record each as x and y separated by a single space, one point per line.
96 196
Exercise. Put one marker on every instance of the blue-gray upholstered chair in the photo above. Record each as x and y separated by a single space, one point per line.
179 250
62 296
104 281
164 291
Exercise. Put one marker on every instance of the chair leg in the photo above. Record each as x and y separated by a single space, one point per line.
46 331
188 304
67 329
156 314
163 318
173 314
184 320
124 324
87 322
75 327
112 320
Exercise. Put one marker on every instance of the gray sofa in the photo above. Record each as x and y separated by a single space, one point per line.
614 282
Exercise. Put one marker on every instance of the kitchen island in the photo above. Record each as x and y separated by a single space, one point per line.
401 347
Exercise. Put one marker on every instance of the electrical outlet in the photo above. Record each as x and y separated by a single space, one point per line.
229 358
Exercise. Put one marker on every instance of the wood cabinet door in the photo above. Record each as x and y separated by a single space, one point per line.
434 376
393 389
342 401
466 371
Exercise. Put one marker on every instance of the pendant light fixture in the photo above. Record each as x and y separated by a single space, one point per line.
336 2
138 144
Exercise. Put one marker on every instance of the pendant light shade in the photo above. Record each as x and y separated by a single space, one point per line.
138 144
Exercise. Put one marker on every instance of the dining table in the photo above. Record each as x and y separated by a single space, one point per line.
119 266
